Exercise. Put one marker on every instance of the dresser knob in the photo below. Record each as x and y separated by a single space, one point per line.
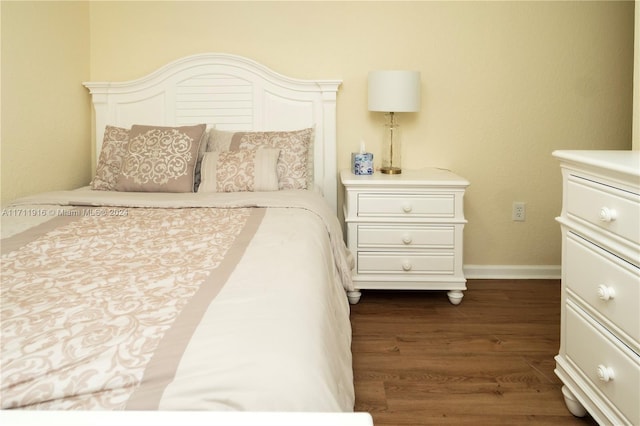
407 208
607 214
406 265
407 239
605 292
605 374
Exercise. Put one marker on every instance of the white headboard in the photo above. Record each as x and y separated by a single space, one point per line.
232 92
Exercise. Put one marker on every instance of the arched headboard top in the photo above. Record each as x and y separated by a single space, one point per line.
232 93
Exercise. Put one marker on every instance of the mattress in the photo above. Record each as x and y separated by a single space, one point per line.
129 301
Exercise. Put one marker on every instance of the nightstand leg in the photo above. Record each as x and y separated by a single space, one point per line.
455 296
354 296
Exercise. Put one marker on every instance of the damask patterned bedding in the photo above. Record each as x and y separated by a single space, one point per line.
188 301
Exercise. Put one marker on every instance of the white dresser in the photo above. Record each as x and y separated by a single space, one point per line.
405 231
599 358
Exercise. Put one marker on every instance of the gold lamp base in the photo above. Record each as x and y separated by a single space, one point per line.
391 170
391 147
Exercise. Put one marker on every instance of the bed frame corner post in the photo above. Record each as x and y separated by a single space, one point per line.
329 101
99 99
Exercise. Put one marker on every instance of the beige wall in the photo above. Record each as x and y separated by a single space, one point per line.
504 84
46 120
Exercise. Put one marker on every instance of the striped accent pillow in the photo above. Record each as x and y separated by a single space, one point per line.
241 170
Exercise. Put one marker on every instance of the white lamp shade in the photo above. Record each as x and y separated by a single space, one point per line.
394 91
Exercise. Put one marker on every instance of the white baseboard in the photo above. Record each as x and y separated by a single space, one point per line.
512 272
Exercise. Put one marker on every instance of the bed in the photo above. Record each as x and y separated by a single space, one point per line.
202 271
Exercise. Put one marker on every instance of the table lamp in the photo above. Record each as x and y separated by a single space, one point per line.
391 92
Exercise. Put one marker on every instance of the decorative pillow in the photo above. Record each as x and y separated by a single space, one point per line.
242 170
295 147
203 148
114 145
160 159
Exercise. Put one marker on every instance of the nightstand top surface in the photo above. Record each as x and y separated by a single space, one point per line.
434 176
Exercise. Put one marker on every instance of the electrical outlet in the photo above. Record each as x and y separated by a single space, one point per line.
518 213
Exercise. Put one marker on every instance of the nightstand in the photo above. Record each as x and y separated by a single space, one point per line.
405 231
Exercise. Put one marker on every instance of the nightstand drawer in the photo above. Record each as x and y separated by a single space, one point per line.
608 208
406 205
609 286
405 263
406 236
609 365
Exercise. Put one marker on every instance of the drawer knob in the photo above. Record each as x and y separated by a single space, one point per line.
406 265
605 292
605 374
607 214
406 207
407 239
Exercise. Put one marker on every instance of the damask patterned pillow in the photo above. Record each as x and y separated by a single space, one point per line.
113 149
294 170
242 170
160 159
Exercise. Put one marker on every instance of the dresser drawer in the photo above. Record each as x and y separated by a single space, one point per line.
406 263
608 208
605 282
612 368
406 236
406 205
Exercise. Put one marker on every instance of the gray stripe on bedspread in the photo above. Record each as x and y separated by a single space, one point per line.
162 368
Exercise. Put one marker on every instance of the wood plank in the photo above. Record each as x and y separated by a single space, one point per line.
420 360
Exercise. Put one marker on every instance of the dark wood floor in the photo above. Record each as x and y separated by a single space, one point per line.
419 360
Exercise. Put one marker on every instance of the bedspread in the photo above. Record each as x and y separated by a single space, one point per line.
180 301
